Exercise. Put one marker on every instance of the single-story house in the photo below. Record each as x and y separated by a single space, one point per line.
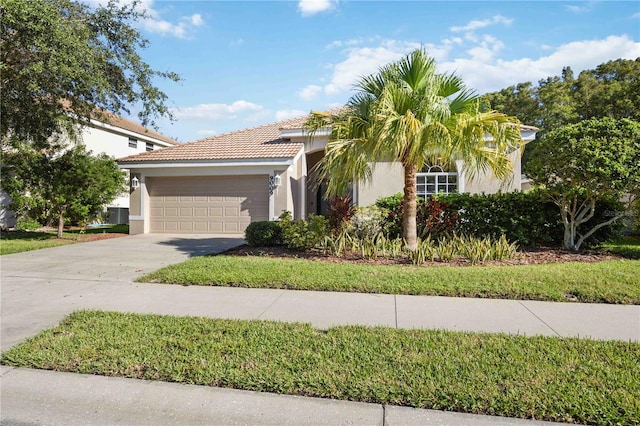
222 183
115 136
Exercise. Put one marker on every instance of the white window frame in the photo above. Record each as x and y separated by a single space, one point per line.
149 147
133 143
440 182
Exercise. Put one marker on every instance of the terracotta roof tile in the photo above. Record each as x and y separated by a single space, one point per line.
258 142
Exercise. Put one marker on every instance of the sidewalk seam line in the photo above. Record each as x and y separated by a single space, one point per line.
271 304
395 307
540 319
384 414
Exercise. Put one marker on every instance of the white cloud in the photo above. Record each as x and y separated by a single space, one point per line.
310 92
486 74
576 9
362 61
206 132
347 43
196 20
311 7
487 49
482 23
635 15
217 111
182 29
289 113
237 42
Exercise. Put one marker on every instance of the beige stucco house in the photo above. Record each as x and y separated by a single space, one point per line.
223 183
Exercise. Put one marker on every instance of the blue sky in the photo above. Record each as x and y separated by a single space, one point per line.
245 63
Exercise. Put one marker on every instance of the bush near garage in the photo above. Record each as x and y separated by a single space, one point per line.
263 234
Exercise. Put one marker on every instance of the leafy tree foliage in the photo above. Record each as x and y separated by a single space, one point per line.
74 185
408 113
585 162
62 56
611 90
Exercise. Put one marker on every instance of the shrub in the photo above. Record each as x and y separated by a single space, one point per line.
435 218
303 234
340 211
367 222
263 234
528 218
392 210
27 224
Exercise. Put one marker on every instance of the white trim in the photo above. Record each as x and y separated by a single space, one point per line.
462 178
299 133
217 163
298 155
272 197
303 187
136 217
436 183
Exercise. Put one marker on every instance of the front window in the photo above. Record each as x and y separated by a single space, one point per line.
436 180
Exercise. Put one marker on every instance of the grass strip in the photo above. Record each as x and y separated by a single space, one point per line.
600 282
21 241
628 247
568 379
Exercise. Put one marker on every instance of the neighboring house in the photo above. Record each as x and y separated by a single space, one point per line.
114 136
221 184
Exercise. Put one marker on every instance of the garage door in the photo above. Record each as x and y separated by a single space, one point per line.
221 204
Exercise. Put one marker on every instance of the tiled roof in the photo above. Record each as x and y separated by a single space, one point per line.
258 142
129 125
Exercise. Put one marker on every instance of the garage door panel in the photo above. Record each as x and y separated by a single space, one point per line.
170 212
220 204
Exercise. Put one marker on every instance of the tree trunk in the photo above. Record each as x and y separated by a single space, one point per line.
60 224
409 228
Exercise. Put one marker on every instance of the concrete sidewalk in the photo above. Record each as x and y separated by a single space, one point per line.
40 288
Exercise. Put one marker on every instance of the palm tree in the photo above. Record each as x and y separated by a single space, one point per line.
408 113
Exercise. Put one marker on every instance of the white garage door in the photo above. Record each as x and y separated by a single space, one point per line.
221 204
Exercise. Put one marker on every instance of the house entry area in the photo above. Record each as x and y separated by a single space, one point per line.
316 202
207 204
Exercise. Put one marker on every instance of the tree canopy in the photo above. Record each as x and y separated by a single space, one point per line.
75 185
585 162
409 113
62 61
610 90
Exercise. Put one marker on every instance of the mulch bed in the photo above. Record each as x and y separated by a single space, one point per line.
524 257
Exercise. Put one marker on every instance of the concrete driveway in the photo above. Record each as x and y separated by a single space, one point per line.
41 287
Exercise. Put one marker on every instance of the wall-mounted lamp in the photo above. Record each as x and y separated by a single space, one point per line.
135 183
277 181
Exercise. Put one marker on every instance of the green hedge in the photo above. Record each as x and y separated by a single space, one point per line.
528 218
263 234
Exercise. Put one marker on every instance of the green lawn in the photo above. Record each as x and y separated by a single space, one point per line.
19 241
600 282
569 379
628 247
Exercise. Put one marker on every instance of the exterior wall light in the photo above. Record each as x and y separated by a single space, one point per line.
277 181
135 182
